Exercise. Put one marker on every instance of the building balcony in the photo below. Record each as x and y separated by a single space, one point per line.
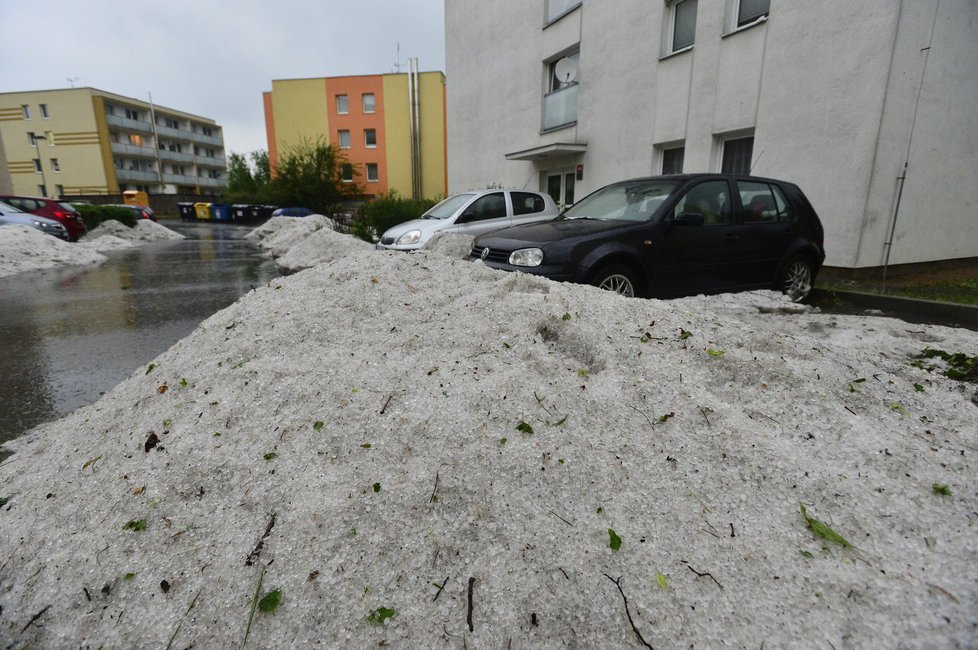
207 161
129 125
136 175
176 134
176 156
134 150
179 179
207 139
560 108
213 182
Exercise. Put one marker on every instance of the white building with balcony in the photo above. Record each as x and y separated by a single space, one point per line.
81 141
869 106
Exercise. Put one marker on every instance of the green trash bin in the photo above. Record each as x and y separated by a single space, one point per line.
203 211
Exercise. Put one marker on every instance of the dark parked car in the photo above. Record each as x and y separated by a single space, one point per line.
61 211
9 215
292 212
669 236
141 211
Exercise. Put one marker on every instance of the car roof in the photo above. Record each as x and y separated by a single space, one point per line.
704 176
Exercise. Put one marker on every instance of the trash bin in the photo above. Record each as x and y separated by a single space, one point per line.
265 211
221 211
203 210
186 211
241 213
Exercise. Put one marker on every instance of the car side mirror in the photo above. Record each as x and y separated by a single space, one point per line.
689 219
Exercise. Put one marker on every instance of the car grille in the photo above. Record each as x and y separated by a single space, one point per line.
495 254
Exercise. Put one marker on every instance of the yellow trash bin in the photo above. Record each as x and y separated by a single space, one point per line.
203 210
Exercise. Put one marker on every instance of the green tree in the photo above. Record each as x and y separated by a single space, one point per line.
309 174
241 181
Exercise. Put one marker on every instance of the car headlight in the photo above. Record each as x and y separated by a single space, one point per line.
526 257
410 237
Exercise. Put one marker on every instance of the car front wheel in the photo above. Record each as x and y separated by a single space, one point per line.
796 281
616 278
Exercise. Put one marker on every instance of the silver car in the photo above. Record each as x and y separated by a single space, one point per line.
471 213
9 215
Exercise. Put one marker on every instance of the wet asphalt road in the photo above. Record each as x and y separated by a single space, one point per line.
67 336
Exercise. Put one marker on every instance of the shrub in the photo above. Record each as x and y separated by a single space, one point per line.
391 209
93 215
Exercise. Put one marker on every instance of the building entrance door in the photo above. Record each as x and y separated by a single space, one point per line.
560 186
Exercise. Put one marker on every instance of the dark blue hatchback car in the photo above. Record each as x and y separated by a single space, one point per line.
669 236
292 212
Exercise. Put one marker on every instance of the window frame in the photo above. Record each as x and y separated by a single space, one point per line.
366 138
665 151
550 17
674 18
26 108
345 102
373 103
375 177
346 169
44 111
553 87
339 139
740 22
726 140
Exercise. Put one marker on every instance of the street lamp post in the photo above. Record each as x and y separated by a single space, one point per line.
40 162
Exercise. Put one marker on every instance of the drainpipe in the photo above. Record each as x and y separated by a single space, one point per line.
156 143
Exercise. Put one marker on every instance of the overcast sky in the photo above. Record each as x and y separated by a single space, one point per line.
213 58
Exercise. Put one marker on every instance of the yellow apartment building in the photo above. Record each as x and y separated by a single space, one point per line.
77 141
390 127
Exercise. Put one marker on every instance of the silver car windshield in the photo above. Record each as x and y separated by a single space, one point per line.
448 207
633 201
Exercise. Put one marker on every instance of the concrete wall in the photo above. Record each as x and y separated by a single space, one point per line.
827 89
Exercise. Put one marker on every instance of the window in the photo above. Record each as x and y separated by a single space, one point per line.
37 164
132 114
208 131
372 173
59 190
490 206
370 138
135 139
342 104
683 24
560 100
750 10
763 203
346 172
557 8
711 200
344 137
27 111
526 203
31 139
672 160
169 123
44 110
369 105
54 165
737 155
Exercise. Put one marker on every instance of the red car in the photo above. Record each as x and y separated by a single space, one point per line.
60 211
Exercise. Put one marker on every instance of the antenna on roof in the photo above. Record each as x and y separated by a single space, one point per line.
397 58
72 80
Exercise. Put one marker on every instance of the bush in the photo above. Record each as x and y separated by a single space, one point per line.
391 209
93 215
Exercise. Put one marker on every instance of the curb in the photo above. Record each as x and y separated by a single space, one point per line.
929 311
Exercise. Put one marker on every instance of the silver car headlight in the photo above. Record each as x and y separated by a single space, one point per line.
526 257
410 237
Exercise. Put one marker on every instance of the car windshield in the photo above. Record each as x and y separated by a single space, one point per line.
6 208
631 201
448 207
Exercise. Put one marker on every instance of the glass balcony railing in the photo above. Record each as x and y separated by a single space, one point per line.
175 156
136 175
133 150
560 107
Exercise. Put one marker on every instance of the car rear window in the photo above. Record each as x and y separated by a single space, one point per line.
67 206
763 203
527 203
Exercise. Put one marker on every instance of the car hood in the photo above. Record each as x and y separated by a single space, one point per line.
426 226
545 232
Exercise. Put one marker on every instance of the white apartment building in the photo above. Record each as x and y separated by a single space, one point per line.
870 106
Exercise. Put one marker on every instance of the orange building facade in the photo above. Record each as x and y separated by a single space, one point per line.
389 127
